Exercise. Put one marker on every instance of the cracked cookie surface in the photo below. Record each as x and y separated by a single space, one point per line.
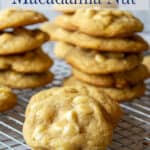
119 95
35 61
13 18
24 81
132 44
118 80
98 62
21 40
69 120
105 23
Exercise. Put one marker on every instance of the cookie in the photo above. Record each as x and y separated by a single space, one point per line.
119 95
23 81
31 62
61 50
100 63
7 99
146 62
118 80
104 23
13 18
64 118
21 40
111 106
132 44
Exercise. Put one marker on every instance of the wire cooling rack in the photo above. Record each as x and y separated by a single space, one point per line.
132 133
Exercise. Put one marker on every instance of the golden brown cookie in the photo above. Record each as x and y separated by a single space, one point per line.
132 44
105 23
111 106
23 81
61 50
7 99
64 118
12 18
21 40
100 63
118 80
31 62
146 62
119 95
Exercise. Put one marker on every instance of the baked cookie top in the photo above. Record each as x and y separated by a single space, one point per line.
117 94
131 44
100 63
65 118
7 99
17 80
31 62
13 18
116 80
104 23
111 106
21 40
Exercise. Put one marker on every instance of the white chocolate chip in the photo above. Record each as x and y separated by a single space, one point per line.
38 137
99 58
83 109
37 134
71 129
71 116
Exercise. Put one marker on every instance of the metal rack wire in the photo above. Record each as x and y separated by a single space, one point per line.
132 133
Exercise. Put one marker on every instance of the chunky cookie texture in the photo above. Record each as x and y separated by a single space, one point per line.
65 118
131 44
35 61
117 94
98 62
7 99
13 18
23 81
105 23
118 80
21 40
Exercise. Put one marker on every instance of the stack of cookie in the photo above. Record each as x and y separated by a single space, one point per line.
23 64
103 49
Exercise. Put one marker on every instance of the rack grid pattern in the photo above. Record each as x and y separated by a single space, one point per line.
132 133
